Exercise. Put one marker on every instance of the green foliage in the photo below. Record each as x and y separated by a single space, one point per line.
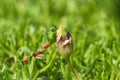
26 25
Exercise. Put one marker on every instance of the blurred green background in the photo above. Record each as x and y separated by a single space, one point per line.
93 24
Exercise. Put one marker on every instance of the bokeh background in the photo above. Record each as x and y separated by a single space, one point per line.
93 24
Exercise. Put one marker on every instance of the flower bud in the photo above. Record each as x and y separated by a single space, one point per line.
37 53
64 43
46 46
25 59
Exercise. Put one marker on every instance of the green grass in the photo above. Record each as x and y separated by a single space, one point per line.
25 27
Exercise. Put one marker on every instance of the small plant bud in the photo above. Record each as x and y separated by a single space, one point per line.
37 53
64 42
25 59
46 46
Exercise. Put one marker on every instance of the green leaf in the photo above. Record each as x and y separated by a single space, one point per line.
25 72
32 67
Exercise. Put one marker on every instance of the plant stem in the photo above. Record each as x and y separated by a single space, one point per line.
72 70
